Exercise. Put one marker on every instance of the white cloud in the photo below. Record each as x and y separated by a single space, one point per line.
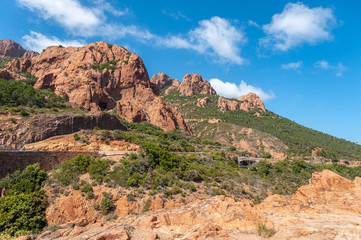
103 5
83 21
323 64
231 90
216 36
37 42
297 25
253 23
69 13
175 15
293 66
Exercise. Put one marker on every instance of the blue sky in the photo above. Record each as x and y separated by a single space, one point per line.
302 58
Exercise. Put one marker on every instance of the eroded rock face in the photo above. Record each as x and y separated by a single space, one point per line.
246 103
225 105
194 83
16 134
327 208
162 80
251 101
5 74
9 48
99 77
203 102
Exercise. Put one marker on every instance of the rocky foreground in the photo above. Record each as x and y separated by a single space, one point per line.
328 208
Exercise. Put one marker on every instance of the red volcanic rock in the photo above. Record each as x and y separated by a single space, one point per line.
194 83
203 102
162 80
5 74
100 76
246 103
170 90
30 54
251 101
9 48
225 105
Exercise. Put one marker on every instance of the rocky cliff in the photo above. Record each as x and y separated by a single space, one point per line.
162 80
246 103
17 132
194 83
100 76
9 48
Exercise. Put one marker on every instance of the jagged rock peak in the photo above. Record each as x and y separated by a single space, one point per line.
9 48
194 83
253 100
162 80
101 76
246 103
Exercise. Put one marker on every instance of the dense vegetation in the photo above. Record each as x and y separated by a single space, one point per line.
22 209
16 93
300 140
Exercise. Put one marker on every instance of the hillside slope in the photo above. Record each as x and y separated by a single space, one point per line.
206 117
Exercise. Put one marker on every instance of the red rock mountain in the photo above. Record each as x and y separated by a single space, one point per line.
100 76
162 80
194 83
9 48
246 103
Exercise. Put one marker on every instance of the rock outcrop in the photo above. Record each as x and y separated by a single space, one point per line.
9 48
328 208
194 83
5 74
203 102
100 76
251 101
162 80
18 132
225 105
246 103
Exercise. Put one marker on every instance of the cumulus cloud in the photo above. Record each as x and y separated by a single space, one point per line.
232 90
216 36
297 25
37 41
83 21
69 13
293 66
323 64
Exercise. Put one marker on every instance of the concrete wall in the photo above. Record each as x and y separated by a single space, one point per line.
10 161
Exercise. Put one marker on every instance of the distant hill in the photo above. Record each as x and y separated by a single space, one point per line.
255 130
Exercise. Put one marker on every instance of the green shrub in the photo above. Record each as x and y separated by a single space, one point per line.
76 137
267 155
107 205
265 232
31 179
23 207
24 113
98 169
23 212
